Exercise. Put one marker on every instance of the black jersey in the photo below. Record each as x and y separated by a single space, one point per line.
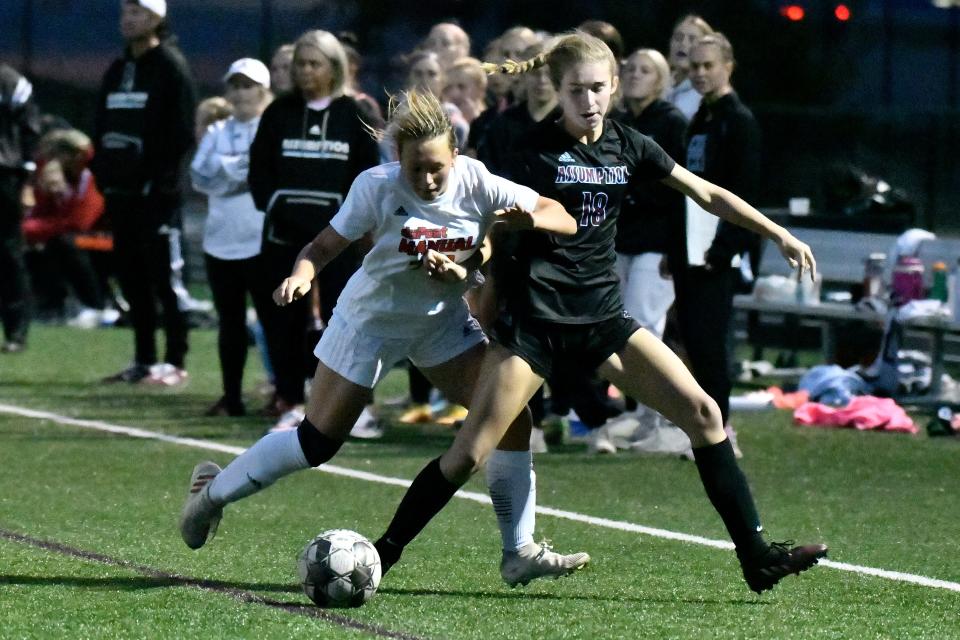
572 279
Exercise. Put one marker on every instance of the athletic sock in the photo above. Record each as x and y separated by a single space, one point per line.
727 488
427 495
513 489
269 459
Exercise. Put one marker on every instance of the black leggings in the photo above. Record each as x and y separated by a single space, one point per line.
142 252
287 328
230 282
13 273
704 309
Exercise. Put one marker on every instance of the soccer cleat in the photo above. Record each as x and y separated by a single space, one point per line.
417 414
779 561
200 517
534 561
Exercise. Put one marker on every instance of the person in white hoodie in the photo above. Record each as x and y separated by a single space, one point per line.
234 227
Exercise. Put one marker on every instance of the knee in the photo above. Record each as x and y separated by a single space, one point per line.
458 467
705 416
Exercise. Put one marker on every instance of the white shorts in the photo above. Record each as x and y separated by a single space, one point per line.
364 359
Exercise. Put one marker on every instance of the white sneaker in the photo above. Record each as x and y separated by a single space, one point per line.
620 428
86 319
167 375
538 443
732 435
598 442
534 561
289 420
200 517
366 427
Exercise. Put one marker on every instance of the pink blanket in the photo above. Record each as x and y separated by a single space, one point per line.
863 412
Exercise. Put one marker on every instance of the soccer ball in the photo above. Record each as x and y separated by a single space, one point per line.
339 568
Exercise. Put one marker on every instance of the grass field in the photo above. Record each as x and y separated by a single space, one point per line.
89 547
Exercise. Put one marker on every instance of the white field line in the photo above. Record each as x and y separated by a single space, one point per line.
133 432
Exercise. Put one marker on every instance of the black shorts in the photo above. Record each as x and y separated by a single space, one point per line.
551 346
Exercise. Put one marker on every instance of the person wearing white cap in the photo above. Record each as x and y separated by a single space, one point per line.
234 226
143 131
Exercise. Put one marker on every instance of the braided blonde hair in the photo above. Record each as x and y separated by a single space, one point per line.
568 49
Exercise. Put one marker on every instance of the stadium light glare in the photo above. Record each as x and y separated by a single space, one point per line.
793 12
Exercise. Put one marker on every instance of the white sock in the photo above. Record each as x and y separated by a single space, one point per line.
269 459
513 489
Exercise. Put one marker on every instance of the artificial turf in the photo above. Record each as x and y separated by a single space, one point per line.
880 500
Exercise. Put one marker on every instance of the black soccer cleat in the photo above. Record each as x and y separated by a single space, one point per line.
779 561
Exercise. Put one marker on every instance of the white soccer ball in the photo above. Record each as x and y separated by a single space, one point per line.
339 568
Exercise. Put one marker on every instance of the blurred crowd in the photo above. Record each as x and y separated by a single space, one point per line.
91 223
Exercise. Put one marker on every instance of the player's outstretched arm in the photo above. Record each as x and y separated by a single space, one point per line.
312 258
549 215
734 209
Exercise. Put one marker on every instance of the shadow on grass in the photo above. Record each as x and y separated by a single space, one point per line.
146 582
526 595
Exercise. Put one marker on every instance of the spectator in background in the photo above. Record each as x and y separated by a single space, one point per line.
19 130
370 108
652 220
724 148
144 129
310 145
606 32
449 42
67 203
234 227
210 110
281 80
465 85
426 74
506 90
686 32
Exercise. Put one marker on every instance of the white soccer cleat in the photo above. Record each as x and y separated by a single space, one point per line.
534 561
200 516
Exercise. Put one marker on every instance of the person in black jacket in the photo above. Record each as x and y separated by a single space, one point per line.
143 132
309 147
19 130
724 148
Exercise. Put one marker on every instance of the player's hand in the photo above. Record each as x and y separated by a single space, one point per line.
443 268
291 289
798 255
515 218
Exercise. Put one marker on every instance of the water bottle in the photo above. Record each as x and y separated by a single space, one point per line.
873 275
938 289
953 291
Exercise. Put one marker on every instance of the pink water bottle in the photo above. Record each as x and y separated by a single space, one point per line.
907 280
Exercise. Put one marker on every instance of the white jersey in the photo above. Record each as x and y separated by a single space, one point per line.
390 295
219 169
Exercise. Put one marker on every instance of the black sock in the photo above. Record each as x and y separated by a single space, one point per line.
428 494
317 448
729 493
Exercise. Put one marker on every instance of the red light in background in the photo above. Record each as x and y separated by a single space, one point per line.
842 12
793 12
